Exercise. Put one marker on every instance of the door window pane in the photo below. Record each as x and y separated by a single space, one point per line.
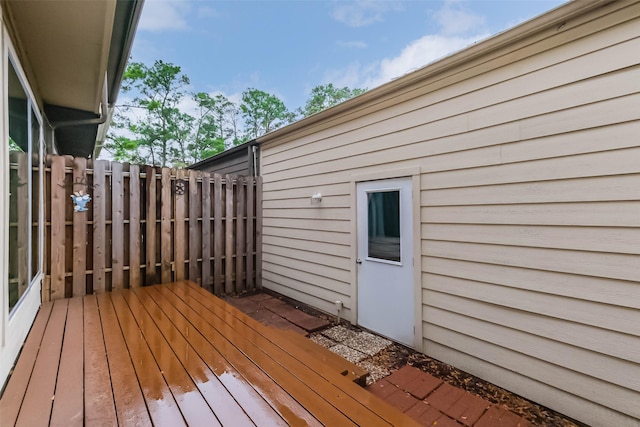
384 225
19 209
36 170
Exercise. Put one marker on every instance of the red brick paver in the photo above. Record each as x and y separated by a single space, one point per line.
273 303
422 385
436 403
382 388
306 321
424 413
259 297
500 417
404 376
244 304
458 404
401 400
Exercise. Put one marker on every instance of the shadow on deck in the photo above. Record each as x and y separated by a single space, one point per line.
175 354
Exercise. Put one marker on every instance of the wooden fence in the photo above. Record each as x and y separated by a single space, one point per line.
148 225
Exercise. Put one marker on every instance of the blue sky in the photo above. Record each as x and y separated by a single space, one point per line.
288 47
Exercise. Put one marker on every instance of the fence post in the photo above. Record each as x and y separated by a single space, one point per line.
99 219
58 196
228 252
179 234
206 232
165 226
194 234
135 236
218 248
150 224
117 226
259 232
250 234
241 285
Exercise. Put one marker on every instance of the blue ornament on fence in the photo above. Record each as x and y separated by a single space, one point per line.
80 201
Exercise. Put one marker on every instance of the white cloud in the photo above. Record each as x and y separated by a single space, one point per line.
415 55
235 97
354 44
360 13
188 105
455 19
353 76
418 54
159 15
459 28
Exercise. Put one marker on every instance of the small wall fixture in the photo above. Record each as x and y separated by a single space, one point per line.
316 199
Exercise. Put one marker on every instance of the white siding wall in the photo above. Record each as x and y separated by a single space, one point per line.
530 212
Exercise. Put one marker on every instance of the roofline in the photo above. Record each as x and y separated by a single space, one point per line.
549 19
127 17
222 155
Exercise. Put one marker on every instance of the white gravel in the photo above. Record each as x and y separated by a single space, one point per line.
348 353
339 333
367 343
323 341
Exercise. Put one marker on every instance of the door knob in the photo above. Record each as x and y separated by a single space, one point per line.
358 261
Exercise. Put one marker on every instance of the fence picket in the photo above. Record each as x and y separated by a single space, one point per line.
206 233
117 226
99 225
218 248
179 235
135 238
150 226
258 232
240 199
194 232
250 234
228 237
58 200
165 226
79 233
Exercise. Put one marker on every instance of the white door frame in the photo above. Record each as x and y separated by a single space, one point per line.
15 326
414 174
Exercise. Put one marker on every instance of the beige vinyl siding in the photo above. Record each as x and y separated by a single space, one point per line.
529 209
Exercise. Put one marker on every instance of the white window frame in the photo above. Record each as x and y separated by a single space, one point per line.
15 326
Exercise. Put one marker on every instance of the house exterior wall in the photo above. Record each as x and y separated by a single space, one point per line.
235 161
528 159
236 164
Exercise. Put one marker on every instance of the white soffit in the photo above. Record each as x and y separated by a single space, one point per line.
66 44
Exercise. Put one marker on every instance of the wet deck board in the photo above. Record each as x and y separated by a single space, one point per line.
174 355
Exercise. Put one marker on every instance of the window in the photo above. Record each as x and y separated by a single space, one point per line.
384 225
24 189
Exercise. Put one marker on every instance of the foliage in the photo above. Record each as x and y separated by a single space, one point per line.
164 124
262 113
155 126
326 96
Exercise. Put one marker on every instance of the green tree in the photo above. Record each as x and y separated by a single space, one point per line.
326 96
209 134
153 129
262 113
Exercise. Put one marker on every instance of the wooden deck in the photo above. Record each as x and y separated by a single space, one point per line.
174 355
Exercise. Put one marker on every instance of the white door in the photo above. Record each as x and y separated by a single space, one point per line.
385 295
21 218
